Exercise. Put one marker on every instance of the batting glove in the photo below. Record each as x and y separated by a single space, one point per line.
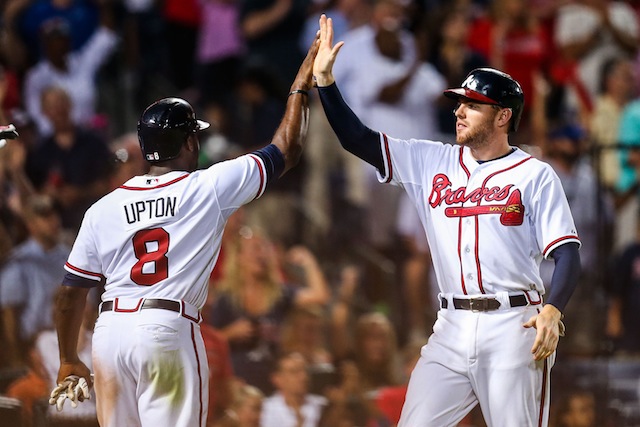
74 388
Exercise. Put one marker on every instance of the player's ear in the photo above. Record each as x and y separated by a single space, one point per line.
503 117
192 143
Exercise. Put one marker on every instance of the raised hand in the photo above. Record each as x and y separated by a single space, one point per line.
327 53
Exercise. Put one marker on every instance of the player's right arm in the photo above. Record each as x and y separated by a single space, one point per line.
68 311
353 135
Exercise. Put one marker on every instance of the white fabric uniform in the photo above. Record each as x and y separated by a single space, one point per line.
159 238
488 226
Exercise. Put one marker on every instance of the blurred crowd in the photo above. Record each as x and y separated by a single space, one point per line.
323 293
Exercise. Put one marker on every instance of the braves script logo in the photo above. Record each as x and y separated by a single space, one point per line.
511 213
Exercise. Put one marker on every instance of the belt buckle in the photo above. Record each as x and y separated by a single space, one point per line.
483 304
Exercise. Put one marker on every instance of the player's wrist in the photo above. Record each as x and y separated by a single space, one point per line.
553 311
324 79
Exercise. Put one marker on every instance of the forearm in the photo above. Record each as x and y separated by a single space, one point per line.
565 275
258 23
317 291
68 313
292 132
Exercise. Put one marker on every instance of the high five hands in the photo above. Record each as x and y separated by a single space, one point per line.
327 53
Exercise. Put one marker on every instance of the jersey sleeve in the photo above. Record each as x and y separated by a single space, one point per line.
407 161
239 181
553 222
83 265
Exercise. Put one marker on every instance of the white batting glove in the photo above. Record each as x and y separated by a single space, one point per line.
74 388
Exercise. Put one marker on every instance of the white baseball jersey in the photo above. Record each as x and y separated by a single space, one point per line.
137 240
488 225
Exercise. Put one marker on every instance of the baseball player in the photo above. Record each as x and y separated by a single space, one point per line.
491 212
152 243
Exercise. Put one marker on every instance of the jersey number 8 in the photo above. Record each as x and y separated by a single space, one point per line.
150 247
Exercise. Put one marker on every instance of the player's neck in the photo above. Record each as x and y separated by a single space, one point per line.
491 152
156 170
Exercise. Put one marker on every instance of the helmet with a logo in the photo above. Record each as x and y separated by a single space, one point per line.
164 126
490 86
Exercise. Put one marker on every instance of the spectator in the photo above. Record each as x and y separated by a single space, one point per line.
182 22
30 388
220 51
628 184
75 72
73 164
623 312
220 372
83 18
513 40
272 30
375 352
30 277
245 409
576 409
617 89
588 33
253 302
291 405
373 348
15 187
389 400
419 294
453 58
347 404
303 332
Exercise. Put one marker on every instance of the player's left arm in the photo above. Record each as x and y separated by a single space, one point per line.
555 230
548 322
290 135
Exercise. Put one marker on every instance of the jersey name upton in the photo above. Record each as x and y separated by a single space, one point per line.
146 210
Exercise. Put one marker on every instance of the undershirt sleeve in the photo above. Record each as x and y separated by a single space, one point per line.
353 135
565 274
273 160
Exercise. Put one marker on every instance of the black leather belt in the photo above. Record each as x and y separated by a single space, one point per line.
163 304
483 304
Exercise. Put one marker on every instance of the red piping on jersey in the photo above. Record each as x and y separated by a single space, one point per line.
173 181
559 240
464 288
464 167
479 271
261 170
195 349
88 273
484 183
388 154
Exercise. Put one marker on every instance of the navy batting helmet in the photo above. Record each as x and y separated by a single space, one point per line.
490 86
164 126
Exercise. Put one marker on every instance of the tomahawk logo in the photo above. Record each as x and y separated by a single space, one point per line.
511 213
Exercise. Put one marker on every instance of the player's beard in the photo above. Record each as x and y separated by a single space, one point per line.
478 136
